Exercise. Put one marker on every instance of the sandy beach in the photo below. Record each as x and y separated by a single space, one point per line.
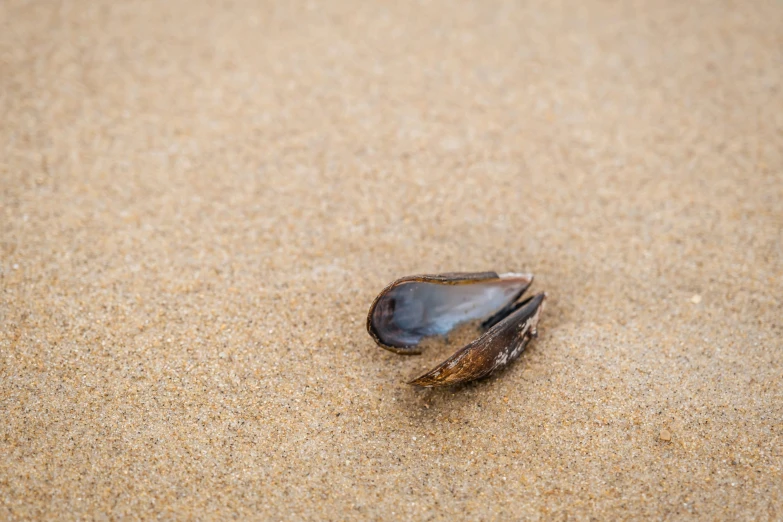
200 200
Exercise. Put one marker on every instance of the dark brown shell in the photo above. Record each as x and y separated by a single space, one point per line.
499 345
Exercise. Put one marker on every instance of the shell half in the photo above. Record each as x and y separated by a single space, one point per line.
414 307
499 345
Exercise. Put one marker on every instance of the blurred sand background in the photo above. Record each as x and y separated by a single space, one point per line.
199 201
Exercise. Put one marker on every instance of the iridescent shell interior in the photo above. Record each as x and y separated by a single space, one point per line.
413 308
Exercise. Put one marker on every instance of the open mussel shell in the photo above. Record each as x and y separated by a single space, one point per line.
415 307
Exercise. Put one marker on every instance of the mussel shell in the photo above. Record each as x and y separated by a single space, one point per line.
414 307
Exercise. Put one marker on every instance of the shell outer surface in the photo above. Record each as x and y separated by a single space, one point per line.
496 348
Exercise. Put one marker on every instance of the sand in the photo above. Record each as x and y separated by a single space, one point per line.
199 201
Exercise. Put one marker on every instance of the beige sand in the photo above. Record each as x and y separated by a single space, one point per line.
200 200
